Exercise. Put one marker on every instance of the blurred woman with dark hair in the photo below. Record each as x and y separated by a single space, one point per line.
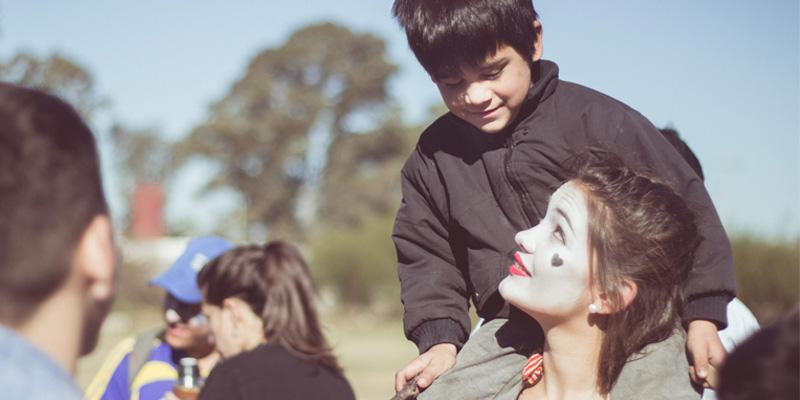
602 274
259 301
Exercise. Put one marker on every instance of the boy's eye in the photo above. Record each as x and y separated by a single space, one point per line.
451 82
491 75
558 234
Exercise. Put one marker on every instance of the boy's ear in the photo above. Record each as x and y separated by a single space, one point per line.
627 291
96 258
537 53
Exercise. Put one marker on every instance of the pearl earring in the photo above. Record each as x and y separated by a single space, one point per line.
594 308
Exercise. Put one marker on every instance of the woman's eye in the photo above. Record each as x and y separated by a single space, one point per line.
558 233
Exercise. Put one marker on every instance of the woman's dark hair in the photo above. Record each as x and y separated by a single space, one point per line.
639 230
275 282
448 34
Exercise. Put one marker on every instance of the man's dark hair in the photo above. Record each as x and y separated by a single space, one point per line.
688 155
50 190
448 34
766 365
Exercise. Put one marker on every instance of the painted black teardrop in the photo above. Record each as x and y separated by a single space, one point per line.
556 261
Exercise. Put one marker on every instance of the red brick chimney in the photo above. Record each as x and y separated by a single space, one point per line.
148 204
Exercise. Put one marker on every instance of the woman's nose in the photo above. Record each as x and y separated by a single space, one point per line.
525 241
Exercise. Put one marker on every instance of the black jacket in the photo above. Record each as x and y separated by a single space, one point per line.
467 193
271 372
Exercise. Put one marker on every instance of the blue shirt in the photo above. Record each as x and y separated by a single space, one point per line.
28 373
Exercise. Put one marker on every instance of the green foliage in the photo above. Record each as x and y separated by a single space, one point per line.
273 132
358 263
767 275
58 75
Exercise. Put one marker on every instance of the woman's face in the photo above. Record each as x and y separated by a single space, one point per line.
551 276
220 321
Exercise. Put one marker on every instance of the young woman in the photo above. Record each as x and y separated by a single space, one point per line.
259 301
602 273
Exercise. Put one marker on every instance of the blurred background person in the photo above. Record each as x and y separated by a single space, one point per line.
57 256
146 367
259 301
741 321
766 365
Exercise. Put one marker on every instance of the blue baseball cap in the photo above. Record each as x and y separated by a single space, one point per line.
180 280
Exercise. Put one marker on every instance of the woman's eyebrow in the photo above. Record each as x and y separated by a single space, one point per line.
566 218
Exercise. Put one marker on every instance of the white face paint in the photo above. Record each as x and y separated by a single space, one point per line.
551 276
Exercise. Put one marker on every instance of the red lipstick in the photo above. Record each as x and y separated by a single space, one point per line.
518 268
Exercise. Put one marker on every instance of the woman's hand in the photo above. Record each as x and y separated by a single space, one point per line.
706 352
427 367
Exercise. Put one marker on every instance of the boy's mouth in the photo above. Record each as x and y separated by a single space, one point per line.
518 268
486 113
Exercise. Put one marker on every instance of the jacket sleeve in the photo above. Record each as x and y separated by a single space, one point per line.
433 287
711 283
111 380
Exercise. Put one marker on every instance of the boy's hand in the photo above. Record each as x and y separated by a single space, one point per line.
705 350
427 367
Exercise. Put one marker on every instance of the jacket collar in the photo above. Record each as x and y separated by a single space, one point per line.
544 75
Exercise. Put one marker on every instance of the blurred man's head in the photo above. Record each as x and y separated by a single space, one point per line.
57 255
187 329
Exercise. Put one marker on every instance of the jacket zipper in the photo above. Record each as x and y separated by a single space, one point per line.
516 187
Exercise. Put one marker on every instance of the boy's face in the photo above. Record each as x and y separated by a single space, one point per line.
490 95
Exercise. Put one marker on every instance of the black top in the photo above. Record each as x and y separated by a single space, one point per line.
467 193
272 372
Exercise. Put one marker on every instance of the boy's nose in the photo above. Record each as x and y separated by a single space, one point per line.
477 94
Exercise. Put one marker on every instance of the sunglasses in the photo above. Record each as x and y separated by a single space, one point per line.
176 311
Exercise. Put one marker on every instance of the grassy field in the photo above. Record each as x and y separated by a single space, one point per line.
370 347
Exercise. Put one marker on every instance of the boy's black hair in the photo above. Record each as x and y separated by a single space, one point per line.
448 34
50 190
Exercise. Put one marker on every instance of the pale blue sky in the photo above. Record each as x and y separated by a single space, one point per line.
723 72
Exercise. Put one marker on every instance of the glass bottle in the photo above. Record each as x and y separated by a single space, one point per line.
189 382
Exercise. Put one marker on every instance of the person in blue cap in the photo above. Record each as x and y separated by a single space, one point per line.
145 367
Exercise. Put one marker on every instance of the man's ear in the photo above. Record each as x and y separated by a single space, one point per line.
537 52
627 292
96 258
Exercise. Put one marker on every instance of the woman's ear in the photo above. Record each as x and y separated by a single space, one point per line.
627 292
240 311
233 306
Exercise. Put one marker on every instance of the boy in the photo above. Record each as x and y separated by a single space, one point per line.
57 256
485 171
